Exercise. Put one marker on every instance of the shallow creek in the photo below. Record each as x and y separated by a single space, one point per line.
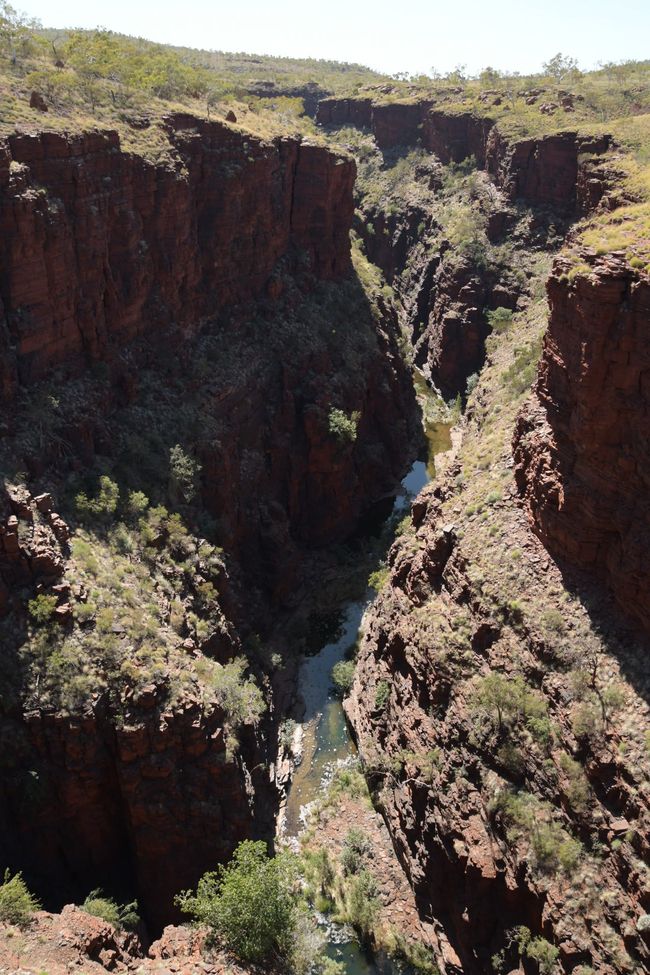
325 738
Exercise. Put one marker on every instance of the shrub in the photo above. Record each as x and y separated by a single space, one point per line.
103 506
472 383
17 905
544 953
342 426
382 693
509 700
363 903
499 320
526 818
578 791
183 474
378 579
41 608
355 847
250 903
343 677
136 505
553 620
242 700
286 732
119 915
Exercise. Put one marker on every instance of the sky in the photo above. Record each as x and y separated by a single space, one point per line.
388 35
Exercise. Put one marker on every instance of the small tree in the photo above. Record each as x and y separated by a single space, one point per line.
343 677
184 474
103 506
250 904
41 608
559 67
17 905
16 32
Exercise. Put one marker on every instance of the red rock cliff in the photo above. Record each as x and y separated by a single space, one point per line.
581 446
98 245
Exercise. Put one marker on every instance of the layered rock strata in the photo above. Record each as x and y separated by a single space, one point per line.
581 446
99 245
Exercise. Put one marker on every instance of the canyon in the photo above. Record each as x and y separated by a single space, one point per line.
259 304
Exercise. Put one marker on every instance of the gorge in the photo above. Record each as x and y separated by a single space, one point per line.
210 330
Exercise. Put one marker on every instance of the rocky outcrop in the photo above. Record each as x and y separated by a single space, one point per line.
581 445
60 943
455 137
98 245
131 791
398 123
553 170
542 171
146 801
392 123
443 768
452 344
345 111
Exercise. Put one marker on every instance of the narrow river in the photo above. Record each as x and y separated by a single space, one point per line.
326 739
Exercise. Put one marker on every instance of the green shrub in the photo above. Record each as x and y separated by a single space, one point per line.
343 676
499 320
17 905
41 608
241 699
544 953
526 818
119 915
509 700
552 619
136 505
472 383
343 427
363 903
250 904
184 474
382 693
103 506
378 579
578 791
356 846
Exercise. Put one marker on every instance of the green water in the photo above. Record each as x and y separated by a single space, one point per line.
436 422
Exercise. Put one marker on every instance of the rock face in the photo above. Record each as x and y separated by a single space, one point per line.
581 446
455 137
345 111
109 259
549 171
392 123
453 343
59 943
542 171
98 245
147 805
440 771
